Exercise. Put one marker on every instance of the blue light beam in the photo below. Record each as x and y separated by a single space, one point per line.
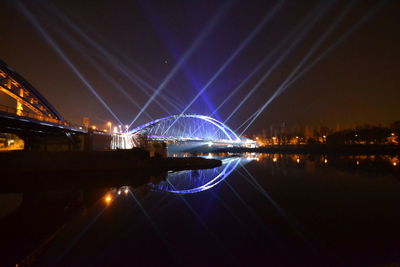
248 39
313 49
183 59
133 77
283 56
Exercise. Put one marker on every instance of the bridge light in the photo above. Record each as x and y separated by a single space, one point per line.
209 144
109 124
94 127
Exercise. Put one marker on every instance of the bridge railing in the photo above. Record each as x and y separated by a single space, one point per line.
24 113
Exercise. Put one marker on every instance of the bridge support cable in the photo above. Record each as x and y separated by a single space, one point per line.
183 129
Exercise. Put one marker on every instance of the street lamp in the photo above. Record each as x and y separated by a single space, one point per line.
119 126
109 124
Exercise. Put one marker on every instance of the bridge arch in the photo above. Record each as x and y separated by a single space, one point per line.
187 126
15 86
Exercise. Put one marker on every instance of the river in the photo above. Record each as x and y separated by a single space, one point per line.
254 210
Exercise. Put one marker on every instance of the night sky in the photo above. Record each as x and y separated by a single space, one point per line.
122 45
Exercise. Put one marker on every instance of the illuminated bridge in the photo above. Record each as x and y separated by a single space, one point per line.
189 130
35 120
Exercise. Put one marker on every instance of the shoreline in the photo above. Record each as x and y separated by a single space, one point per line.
318 149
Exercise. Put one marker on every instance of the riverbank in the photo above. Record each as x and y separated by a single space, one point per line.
24 169
318 149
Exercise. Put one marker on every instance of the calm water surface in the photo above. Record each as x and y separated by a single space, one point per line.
254 210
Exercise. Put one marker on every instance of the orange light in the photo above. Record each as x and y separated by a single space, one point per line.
274 159
108 198
394 163
325 161
298 160
358 163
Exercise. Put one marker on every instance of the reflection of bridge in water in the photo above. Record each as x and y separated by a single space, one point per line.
35 116
195 181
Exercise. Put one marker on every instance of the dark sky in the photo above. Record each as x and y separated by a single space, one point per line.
115 43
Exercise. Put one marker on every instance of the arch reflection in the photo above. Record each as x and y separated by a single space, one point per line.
195 181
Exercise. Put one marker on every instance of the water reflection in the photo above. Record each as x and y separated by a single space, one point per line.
189 182
195 181
36 212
